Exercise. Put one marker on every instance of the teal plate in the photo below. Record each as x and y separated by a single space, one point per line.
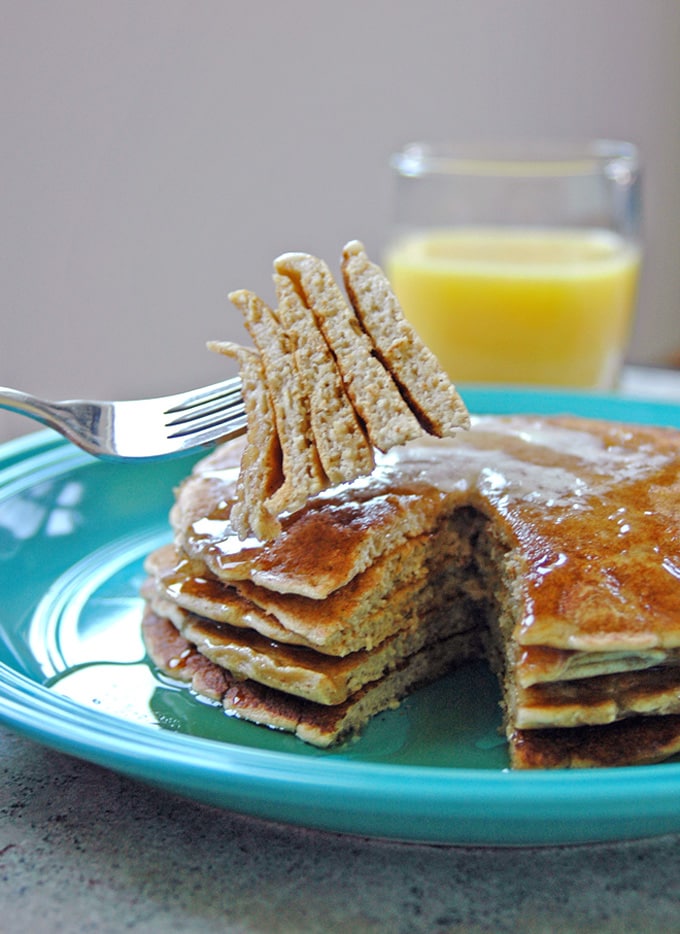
73 676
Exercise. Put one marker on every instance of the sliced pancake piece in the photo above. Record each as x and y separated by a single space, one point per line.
414 367
341 441
319 724
325 391
325 726
374 394
302 472
261 467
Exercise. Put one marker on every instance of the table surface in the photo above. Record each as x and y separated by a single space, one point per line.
85 849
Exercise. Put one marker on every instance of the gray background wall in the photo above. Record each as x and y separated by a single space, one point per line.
158 153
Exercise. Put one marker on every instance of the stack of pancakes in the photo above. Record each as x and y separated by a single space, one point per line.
549 546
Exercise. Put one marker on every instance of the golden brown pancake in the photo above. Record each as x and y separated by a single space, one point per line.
339 435
375 396
551 545
414 368
303 474
261 465
634 741
329 383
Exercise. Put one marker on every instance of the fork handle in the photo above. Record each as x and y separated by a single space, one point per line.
49 413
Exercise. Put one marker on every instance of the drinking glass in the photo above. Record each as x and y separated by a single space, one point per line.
518 262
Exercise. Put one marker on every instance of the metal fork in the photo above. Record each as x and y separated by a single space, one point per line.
141 428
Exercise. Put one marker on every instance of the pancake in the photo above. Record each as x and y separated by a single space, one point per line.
302 472
348 526
548 545
339 435
414 367
375 396
261 464
330 382
635 741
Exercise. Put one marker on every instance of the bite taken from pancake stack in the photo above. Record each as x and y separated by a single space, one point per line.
356 544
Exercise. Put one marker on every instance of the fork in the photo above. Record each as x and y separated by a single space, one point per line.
143 428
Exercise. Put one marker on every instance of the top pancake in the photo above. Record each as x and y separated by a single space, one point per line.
587 511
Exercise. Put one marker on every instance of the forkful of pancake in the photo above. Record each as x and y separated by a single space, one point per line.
331 378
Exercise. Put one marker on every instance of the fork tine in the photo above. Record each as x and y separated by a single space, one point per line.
206 415
203 430
221 405
230 388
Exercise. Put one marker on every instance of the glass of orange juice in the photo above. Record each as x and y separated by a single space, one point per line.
518 263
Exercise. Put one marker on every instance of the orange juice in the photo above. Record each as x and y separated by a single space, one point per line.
552 307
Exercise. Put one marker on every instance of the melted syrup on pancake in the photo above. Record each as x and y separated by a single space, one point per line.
592 505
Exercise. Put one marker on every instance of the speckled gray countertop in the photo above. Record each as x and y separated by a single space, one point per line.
83 849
